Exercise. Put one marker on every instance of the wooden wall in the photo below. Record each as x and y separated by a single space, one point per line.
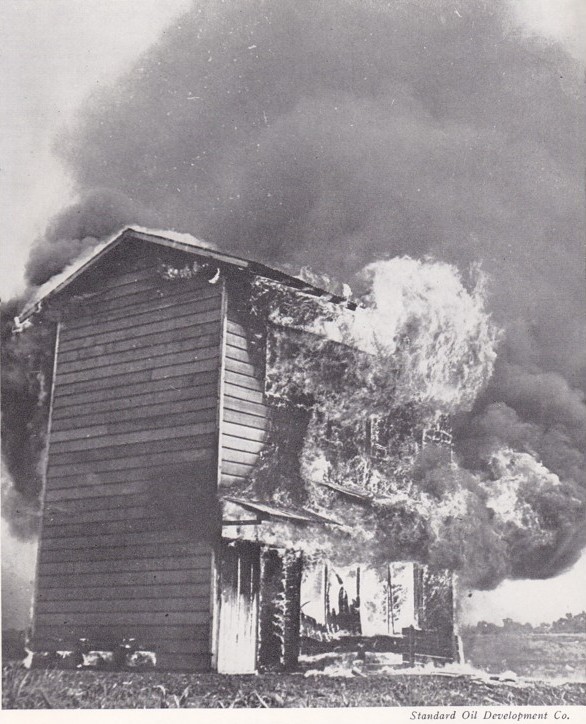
244 410
130 519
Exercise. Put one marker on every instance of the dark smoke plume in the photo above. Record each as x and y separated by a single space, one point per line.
334 134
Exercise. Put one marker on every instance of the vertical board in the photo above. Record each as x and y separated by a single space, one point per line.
130 516
238 622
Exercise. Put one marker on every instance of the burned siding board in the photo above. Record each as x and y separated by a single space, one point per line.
134 426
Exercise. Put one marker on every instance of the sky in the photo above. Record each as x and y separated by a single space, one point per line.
47 78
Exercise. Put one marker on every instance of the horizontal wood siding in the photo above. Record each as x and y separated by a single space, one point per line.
128 527
244 411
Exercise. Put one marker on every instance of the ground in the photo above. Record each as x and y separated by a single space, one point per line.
23 689
539 655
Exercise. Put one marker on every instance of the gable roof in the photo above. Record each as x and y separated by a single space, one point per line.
184 243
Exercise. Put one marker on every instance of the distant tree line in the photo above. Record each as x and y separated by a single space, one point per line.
570 623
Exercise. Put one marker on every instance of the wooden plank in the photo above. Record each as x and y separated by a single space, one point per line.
105 456
161 619
87 383
104 528
152 522
194 344
179 590
137 551
181 431
144 317
228 480
242 393
237 329
197 397
93 314
123 293
174 419
108 635
191 337
110 287
243 368
58 514
184 318
111 369
113 364
238 456
237 469
82 540
128 578
241 444
153 298
107 641
237 343
106 502
251 408
135 414
244 431
199 449
243 418
238 354
127 277
200 602
131 391
240 380
143 471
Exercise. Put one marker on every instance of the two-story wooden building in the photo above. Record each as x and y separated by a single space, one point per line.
159 415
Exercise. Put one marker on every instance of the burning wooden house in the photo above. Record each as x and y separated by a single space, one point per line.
175 513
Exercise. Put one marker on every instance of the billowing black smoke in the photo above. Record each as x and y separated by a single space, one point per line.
337 133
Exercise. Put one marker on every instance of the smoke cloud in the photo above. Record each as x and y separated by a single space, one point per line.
342 133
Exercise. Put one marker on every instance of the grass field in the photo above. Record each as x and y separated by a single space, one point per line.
548 656
55 689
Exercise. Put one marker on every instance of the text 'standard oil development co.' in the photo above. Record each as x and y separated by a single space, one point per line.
488 715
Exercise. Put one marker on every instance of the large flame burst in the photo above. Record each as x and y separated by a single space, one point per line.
361 410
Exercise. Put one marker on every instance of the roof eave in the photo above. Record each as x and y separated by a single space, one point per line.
129 233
